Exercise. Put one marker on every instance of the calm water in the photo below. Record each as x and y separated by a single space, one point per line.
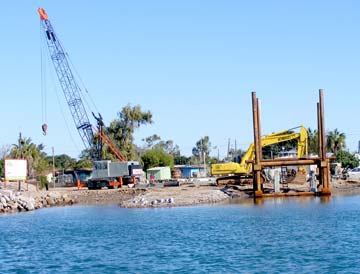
291 236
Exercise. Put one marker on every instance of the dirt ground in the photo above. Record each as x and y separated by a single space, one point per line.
183 195
345 187
187 195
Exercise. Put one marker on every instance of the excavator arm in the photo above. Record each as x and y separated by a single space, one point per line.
244 168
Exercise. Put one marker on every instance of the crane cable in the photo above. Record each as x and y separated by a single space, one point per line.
57 92
77 76
43 87
86 94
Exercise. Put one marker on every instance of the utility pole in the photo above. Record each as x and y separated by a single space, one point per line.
20 146
53 166
228 150
204 163
202 155
20 157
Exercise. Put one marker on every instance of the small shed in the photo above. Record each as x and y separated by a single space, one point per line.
161 173
191 171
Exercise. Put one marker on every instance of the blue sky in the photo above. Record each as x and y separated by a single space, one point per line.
193 64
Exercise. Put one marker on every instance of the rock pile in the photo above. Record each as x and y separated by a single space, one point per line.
16 201
141 201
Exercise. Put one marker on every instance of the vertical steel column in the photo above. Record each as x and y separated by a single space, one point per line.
324 165
258 101
257 143
319 130
321 177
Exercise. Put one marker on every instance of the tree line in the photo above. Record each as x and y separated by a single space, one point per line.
155 151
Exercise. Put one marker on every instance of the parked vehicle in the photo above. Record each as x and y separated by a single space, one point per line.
71 177
353 174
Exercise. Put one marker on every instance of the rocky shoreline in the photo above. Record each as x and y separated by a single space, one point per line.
17 201
29 198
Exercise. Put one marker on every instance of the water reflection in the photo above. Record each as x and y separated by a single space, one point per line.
325 199
282 200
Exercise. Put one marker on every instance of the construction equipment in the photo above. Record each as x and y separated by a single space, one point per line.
68 84
114 174
242 171
87 132
70 177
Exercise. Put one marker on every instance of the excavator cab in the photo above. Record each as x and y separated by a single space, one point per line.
243 169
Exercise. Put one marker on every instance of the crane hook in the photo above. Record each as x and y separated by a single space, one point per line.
44 128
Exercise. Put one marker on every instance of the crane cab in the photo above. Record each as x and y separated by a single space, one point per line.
114 174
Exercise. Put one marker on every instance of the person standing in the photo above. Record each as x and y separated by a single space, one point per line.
152 178
49 178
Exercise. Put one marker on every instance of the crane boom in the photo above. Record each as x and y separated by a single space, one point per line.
67 81
105 173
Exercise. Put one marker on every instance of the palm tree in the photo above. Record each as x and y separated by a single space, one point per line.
34 155
335 141
313 141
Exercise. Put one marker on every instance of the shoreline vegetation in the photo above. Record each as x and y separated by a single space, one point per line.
29 198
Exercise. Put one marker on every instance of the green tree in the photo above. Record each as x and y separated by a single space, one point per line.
274 150
1 167
202 149
34 154
335 141
154 141
122 130
106 153
4 151
346 159
83 163
182 160
62 161
213 160
169 147
313 141
156 157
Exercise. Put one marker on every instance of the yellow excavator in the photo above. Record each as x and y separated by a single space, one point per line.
239 172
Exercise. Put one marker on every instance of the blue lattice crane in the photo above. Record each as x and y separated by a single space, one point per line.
104 172
70 88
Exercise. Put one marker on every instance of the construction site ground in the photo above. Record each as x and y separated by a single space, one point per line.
191 194
183 195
